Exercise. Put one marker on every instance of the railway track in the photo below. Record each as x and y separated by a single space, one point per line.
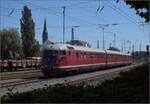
17 82
24 85
102 75
20 74
21 69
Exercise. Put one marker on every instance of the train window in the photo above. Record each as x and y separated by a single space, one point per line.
69 52
63 52
84 56
50 53
70 47
80 54
54 53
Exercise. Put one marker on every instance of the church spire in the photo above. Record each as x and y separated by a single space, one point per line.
45 33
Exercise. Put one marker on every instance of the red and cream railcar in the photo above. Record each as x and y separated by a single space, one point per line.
65 57
117 58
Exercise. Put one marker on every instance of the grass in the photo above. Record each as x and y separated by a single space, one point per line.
131 86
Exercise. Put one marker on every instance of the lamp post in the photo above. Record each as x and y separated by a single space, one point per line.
64 23
128 46
102 26
114 40
72 31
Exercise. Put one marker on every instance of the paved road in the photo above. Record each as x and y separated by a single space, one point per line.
89 78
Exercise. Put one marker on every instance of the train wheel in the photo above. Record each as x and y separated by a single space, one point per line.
15 69
47 72
10 69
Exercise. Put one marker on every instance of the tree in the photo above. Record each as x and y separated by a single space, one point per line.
141 7
10 44
114 49
139 55
30 45
45 33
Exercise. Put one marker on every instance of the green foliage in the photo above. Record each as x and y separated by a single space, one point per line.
30 45
114 49
36 49
10 44
141 7
132 86
139 55
136 53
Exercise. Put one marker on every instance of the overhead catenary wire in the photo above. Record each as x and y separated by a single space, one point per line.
99 9
122 14
55 11
65 27
127 15
6 15
118 10
59 14
11 12
79 3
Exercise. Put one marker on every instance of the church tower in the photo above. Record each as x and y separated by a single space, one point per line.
45 33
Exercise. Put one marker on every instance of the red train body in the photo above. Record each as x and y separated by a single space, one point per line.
59 58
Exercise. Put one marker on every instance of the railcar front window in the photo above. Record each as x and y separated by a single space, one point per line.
50 53
62 52
53 53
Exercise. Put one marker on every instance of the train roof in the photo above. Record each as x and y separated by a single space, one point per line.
71 47
115 52
60 46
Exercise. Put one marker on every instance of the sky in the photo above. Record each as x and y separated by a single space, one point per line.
130 29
